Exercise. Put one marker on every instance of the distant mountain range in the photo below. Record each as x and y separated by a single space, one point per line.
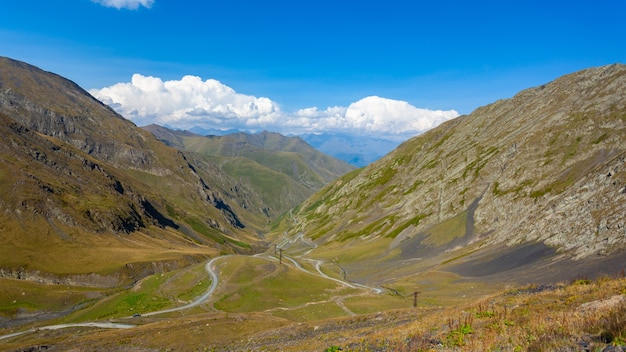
356 150
353 149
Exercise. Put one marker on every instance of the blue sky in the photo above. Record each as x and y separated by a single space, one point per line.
436 55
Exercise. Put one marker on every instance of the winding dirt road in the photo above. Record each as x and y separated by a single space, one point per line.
214 283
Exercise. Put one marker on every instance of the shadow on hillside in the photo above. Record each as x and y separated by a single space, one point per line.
535 263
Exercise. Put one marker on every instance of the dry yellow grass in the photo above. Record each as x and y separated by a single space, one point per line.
574 316
589 314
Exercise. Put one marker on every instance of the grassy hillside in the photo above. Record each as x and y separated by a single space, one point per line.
284 171
85 192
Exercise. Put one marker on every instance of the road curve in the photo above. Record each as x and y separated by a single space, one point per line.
214 282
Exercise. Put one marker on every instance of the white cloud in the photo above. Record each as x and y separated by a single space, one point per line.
191 102
187 103
374 114
125 4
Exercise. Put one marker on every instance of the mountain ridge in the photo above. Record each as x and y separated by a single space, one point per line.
546 166
80 176
284 170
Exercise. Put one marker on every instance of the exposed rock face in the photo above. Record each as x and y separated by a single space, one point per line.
56 107
546 165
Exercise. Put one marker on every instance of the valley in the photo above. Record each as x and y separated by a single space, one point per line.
508 221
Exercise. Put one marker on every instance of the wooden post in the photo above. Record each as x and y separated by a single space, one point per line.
281 256
415 299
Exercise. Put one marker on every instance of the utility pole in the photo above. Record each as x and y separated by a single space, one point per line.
415 299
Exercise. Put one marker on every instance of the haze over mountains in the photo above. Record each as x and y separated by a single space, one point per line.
93 209
354 149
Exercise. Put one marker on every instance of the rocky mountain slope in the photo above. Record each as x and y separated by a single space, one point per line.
77 179
284 171
537 178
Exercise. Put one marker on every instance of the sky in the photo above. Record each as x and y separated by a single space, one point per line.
387 68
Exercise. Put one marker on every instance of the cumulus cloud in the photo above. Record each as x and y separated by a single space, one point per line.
187 103
125 4
192 102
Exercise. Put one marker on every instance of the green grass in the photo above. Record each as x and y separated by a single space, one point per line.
254 284
144 297
21 296
414 221
368 304
446 231
156 292
381 177
413 187
187 284
516 190
568 177
351 251
474 167
373 228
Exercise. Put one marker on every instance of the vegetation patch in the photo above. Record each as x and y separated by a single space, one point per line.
570 176
382 177
413 187
475 166
589 316
355 250
375 227
413 221
255 284
446 231
515 190
187 284
143 298
21 296
368 304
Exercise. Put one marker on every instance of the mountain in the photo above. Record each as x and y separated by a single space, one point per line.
357 150
531 186
283 170
85 191
451 240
